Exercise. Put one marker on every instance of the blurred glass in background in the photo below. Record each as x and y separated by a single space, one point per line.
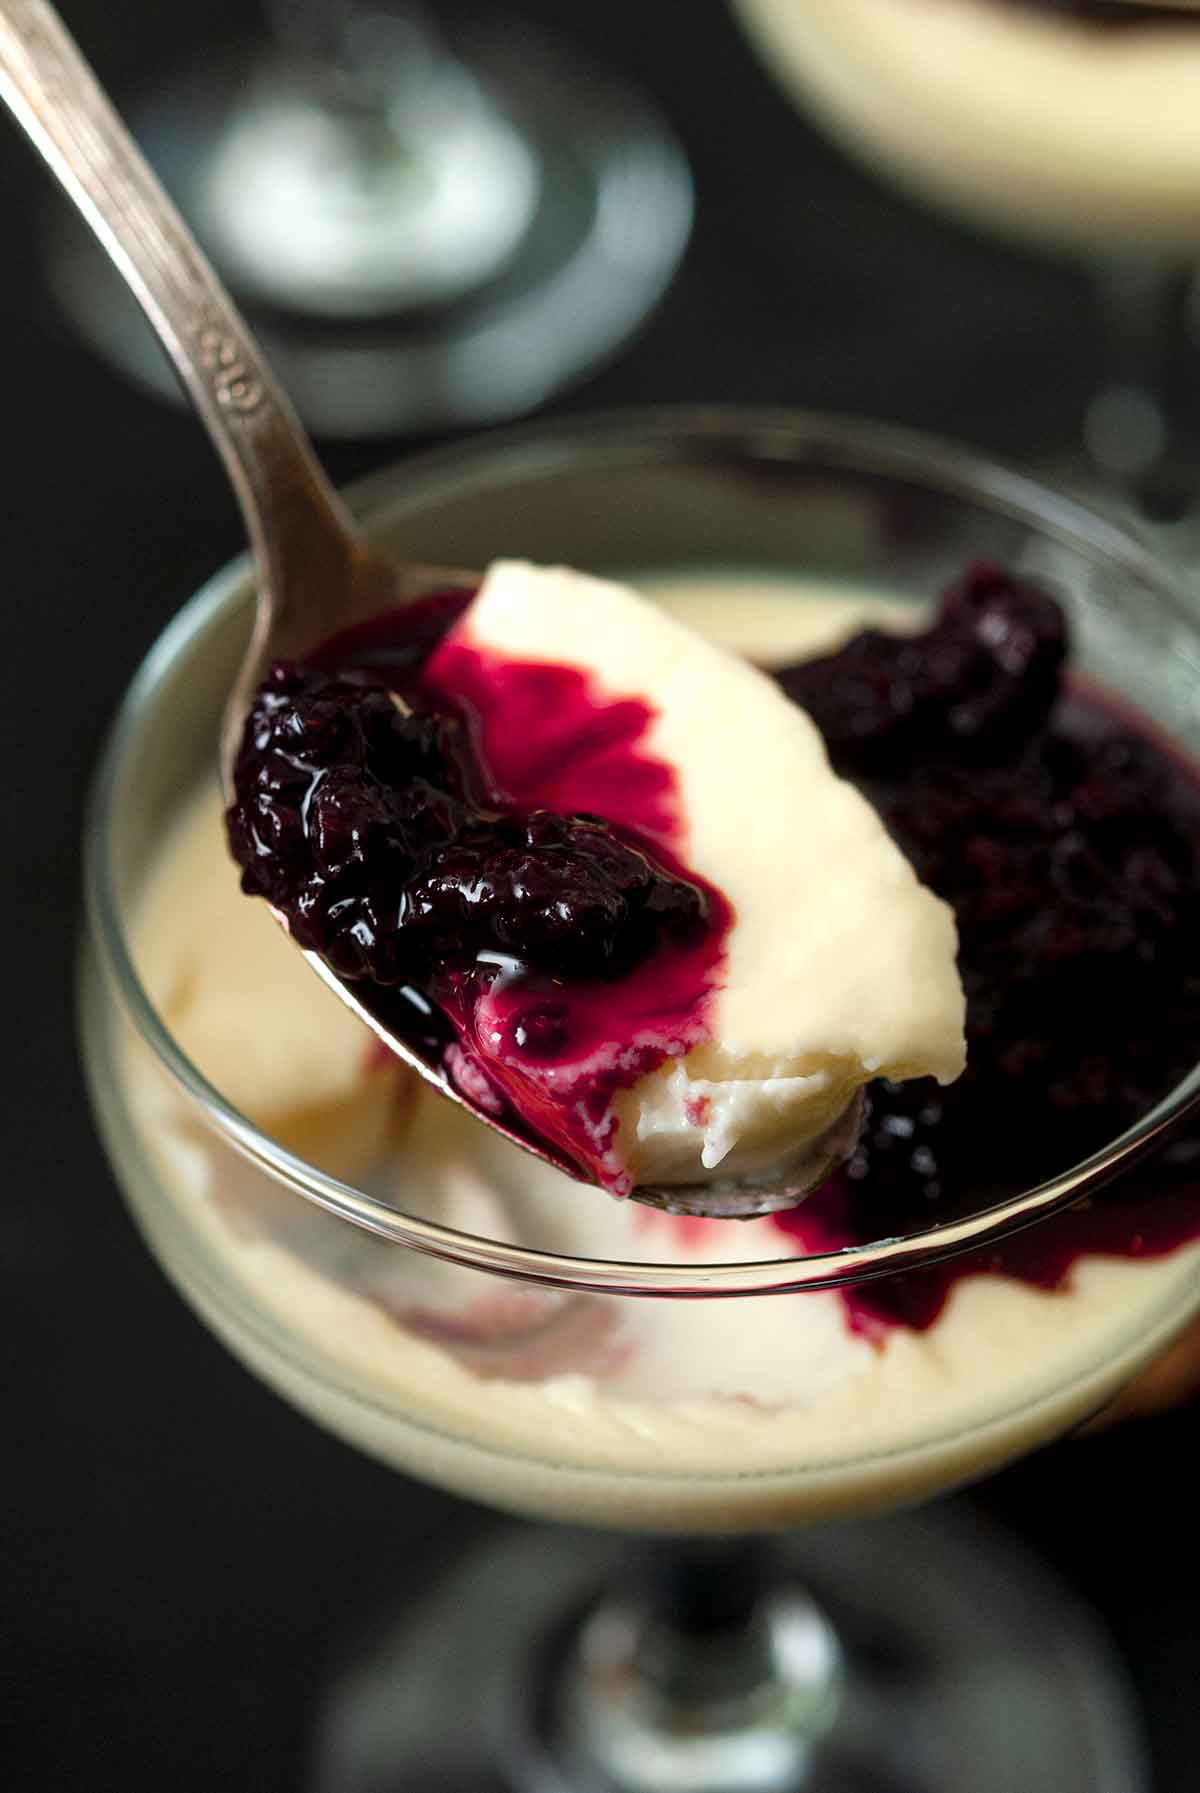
434 217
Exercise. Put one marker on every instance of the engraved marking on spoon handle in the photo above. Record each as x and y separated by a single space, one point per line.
292 513
235 383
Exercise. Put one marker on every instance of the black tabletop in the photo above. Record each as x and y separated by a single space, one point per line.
182 1554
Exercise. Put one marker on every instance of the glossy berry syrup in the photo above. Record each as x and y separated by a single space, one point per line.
487 851
1065 833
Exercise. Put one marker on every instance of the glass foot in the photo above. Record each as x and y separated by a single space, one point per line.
959 1666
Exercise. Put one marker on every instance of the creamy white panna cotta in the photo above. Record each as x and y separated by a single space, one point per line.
837 966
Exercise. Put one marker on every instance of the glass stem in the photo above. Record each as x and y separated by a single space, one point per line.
1130 430
385 48
704 1674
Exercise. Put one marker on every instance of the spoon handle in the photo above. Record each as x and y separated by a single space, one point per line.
298 527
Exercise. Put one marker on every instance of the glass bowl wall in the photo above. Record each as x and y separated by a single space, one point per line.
706 492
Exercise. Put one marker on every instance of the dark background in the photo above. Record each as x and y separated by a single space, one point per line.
182 1556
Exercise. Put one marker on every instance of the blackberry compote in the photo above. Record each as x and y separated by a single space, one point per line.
1065 833
365 824
670 999
365 817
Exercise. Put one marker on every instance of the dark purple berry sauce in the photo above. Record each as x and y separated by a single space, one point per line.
487 851
1065 833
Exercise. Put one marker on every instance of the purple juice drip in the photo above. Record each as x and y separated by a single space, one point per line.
545 738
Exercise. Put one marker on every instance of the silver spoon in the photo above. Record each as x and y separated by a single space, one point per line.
316 572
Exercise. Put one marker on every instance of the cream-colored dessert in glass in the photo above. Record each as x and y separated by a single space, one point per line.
536 1344
1075 135
1029 119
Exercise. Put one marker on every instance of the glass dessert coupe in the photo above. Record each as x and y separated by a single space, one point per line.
469 1316
1069 124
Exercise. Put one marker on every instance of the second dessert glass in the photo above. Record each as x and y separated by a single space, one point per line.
712 1391
1069 126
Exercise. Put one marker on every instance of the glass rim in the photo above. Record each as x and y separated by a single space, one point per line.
614 437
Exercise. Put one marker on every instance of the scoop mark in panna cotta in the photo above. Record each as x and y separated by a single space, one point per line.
588 900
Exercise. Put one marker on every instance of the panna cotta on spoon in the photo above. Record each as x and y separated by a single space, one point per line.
603 872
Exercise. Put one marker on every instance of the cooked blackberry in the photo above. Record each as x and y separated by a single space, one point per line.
1068 846
364 824
973 686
